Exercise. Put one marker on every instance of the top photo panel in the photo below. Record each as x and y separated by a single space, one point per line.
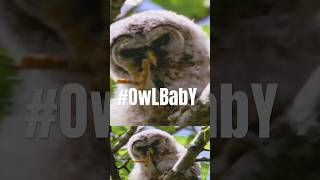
160 62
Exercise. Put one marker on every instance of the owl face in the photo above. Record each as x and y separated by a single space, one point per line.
152 143
158 49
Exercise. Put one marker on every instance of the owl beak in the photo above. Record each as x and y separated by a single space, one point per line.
149 154
150 150
142 79
151 57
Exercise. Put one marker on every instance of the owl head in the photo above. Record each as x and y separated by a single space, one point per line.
152 142
156 49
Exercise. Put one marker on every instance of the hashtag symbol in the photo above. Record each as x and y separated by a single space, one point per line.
123 96
42 111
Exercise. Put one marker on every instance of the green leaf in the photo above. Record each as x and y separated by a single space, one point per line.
119 130
182 139
194 9
168 129
123 174
207 146
205 170
206 28
112 86
122 152
6 79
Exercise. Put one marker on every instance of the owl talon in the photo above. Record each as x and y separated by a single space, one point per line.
147 159
42 62
123 81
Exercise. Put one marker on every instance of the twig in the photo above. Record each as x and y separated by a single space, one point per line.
189 157
202 159
196 114
113 168
123 140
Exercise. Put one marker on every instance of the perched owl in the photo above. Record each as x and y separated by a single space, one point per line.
154 153
156 49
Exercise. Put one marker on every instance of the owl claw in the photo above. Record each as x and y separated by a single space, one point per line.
123 81
147 159
40 61
141 79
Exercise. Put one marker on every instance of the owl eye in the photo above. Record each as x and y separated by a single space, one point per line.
142 148
156 142
162 40
134 53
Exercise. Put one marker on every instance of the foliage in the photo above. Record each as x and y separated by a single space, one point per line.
6 75
206 28
112 86
194 9
183 135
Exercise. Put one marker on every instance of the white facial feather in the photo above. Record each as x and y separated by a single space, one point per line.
182 51
163 157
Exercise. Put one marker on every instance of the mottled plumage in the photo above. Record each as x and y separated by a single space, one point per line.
156 49
155 152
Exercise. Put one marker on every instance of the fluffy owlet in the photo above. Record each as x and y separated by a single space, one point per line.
156 49
155 152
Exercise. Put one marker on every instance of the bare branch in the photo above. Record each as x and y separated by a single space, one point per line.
189 157
123 140
202 159
196 114
303 114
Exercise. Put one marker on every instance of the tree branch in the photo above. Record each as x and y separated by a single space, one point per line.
113 168
189 157
202 159
196 114
123 140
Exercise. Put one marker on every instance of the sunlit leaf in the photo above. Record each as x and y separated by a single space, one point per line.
205 170
112 86
122 152
207 146
6 79
119 129
182 140
206 28
194 9
168 129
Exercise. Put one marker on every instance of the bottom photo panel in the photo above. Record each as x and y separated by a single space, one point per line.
160 152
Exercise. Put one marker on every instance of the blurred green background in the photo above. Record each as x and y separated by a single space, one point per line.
6 80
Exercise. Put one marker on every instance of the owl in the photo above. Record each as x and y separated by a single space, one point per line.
154 153
156 49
